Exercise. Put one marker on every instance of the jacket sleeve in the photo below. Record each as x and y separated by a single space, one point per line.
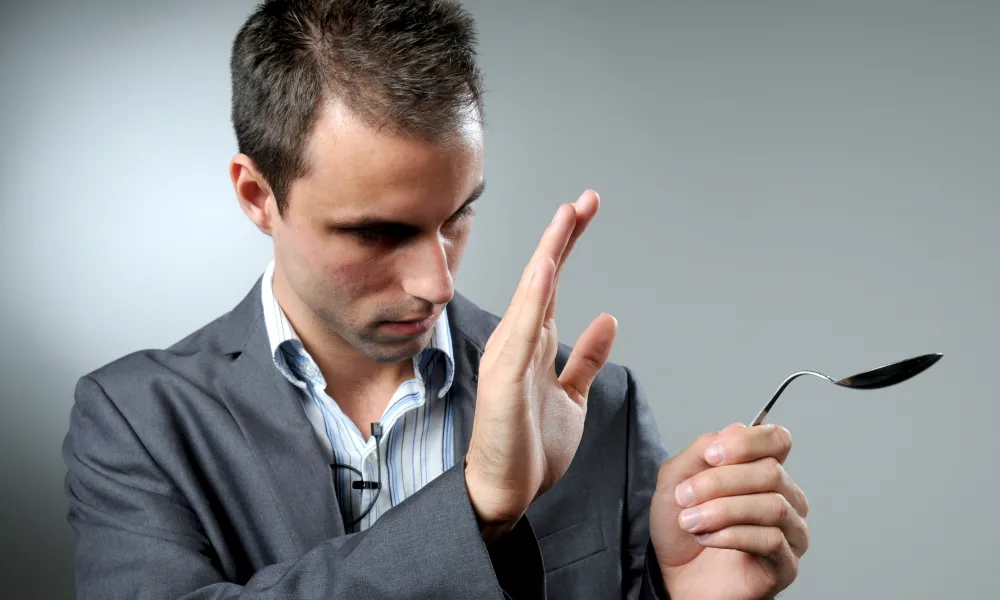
137 539
645 452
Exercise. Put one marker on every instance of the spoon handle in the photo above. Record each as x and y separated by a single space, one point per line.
767 407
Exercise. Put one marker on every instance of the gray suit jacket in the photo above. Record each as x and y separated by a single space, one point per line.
193 472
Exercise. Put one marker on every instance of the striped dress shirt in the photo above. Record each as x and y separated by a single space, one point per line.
417 424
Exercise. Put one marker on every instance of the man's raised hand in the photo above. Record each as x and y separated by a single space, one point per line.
529 421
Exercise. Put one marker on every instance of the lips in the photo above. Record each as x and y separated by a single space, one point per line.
411 326
415 319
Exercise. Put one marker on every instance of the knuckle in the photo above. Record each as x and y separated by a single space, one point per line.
782 438
707 484
780 509
592 362
735 446
793 570
772 540
774 473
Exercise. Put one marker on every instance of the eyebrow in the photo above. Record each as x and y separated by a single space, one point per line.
379 223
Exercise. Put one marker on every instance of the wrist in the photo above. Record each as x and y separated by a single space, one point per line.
494 522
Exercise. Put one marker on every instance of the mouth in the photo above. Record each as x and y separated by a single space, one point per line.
409 327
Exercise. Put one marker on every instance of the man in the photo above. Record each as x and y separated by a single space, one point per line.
354 428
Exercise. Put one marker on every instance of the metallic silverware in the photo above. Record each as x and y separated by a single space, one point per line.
869 380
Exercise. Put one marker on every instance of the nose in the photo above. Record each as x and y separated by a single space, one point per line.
427 274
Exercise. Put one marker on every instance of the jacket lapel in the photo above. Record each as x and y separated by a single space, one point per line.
268 409
470 328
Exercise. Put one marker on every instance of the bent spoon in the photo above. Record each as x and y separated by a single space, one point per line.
869 380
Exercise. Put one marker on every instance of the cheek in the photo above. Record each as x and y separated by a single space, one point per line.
354 275
330 267
347 276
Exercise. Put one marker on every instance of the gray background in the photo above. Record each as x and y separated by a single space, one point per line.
786 185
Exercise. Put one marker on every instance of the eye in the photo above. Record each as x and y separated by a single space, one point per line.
367 236
466 211
382 235
371 236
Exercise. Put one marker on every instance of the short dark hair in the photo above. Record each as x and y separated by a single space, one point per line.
409 65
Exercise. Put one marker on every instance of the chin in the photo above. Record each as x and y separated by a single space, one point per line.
391 351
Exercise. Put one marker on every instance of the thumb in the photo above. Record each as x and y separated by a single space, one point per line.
589 355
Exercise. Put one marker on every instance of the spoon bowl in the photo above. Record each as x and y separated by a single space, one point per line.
881 377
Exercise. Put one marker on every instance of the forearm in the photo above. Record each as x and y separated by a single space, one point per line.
137 542
410 552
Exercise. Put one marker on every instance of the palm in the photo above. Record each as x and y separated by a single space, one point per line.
538 428
559 417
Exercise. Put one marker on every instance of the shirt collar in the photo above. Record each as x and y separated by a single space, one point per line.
285 341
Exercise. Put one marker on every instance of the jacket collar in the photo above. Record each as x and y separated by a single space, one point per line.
267 408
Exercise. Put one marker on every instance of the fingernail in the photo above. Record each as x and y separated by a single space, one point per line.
684 494
689 518
714 454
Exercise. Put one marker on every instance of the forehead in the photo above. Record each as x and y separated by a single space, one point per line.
356 169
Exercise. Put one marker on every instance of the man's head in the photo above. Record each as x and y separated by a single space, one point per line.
359 125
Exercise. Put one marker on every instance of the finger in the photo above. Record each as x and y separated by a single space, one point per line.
588 356
768 510
761 476
586 207
737 444
768 543
521 343
689 462
685 463
552 243
746 444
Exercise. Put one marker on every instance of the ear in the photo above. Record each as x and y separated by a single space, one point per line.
253 192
